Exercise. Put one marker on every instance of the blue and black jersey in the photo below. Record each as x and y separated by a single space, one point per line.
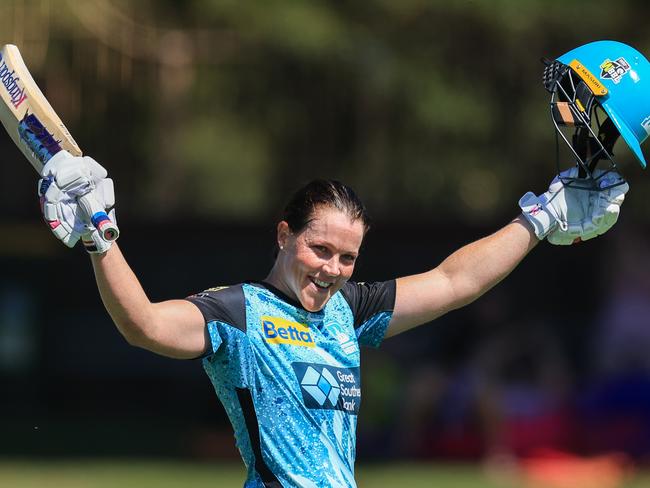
289 379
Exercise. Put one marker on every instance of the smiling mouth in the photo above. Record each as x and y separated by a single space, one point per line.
322 285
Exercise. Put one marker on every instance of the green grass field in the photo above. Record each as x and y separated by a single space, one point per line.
164 474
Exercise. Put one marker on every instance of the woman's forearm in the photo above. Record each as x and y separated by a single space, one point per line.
122 295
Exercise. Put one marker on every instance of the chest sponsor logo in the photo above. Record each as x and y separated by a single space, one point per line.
329 387
277 330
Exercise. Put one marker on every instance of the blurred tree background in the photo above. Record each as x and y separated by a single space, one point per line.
208 114
218 109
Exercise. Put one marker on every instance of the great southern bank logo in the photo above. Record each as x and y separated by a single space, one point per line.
282 331
322 386
329 387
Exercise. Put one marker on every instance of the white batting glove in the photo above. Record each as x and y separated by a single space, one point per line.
600 215
566 215
65 178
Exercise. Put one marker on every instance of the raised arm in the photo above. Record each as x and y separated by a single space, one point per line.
462 277
563 214
173 328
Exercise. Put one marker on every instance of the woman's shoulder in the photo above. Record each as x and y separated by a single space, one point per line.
222 303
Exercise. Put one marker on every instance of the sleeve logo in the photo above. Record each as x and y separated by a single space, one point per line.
277 330
217 288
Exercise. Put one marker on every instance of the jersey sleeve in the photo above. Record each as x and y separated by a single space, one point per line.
224 311
372 307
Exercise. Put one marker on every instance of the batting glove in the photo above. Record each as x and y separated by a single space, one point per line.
64 179
565 215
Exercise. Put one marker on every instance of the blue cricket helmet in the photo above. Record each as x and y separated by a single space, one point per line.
619 78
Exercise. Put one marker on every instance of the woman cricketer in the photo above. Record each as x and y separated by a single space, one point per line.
283 354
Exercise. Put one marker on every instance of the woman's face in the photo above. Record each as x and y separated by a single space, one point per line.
316 262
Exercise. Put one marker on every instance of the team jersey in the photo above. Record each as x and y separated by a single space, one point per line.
289 379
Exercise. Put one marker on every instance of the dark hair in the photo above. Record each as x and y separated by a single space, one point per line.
326 193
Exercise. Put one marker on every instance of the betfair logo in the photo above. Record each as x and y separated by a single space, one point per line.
282 331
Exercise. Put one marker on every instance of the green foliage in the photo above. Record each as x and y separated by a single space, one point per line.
434 105
227 167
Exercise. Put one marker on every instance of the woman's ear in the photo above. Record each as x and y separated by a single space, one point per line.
283 234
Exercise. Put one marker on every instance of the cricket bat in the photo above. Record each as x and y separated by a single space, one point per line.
38 131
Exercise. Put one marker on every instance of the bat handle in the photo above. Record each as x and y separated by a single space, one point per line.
106 227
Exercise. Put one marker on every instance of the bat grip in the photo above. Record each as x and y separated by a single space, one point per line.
100 220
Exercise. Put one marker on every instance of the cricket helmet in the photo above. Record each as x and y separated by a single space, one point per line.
599 91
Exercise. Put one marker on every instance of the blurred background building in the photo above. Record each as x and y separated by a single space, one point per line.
209 113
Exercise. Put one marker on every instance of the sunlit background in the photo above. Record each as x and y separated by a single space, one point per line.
207 115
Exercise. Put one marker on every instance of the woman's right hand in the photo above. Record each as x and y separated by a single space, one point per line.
67 186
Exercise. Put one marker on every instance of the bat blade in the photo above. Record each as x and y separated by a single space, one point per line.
37 130
26 114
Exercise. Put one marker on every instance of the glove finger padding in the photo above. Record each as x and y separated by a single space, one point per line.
65 179
586 229
590 213
609 205
565 214
74 179
75 175
105 193
97 171
562 238
616 194
574 232
610 216
58 217
590 231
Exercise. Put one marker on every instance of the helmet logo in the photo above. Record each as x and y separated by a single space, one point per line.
614 70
